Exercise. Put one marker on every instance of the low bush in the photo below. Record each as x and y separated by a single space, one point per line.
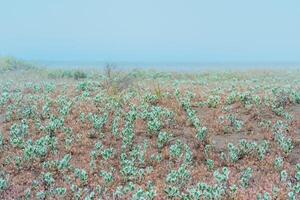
11 64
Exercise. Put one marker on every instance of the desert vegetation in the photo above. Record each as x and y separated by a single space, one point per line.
109 134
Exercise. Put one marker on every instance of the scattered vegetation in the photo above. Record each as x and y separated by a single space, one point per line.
109 134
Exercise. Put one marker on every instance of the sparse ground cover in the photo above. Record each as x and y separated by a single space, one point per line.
149 135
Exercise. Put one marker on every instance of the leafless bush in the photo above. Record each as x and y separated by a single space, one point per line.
116 81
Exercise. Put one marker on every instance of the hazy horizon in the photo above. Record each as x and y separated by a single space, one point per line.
152 31
168 66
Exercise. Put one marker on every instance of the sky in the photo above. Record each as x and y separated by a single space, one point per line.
151 31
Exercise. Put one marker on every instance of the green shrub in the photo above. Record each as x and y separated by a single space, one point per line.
1 139
8 63
11 63
213 101
79 75
3 184
246 177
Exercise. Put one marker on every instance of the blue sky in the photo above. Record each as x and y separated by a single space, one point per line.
151 31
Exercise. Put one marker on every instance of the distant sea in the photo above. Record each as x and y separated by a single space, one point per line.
168 66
